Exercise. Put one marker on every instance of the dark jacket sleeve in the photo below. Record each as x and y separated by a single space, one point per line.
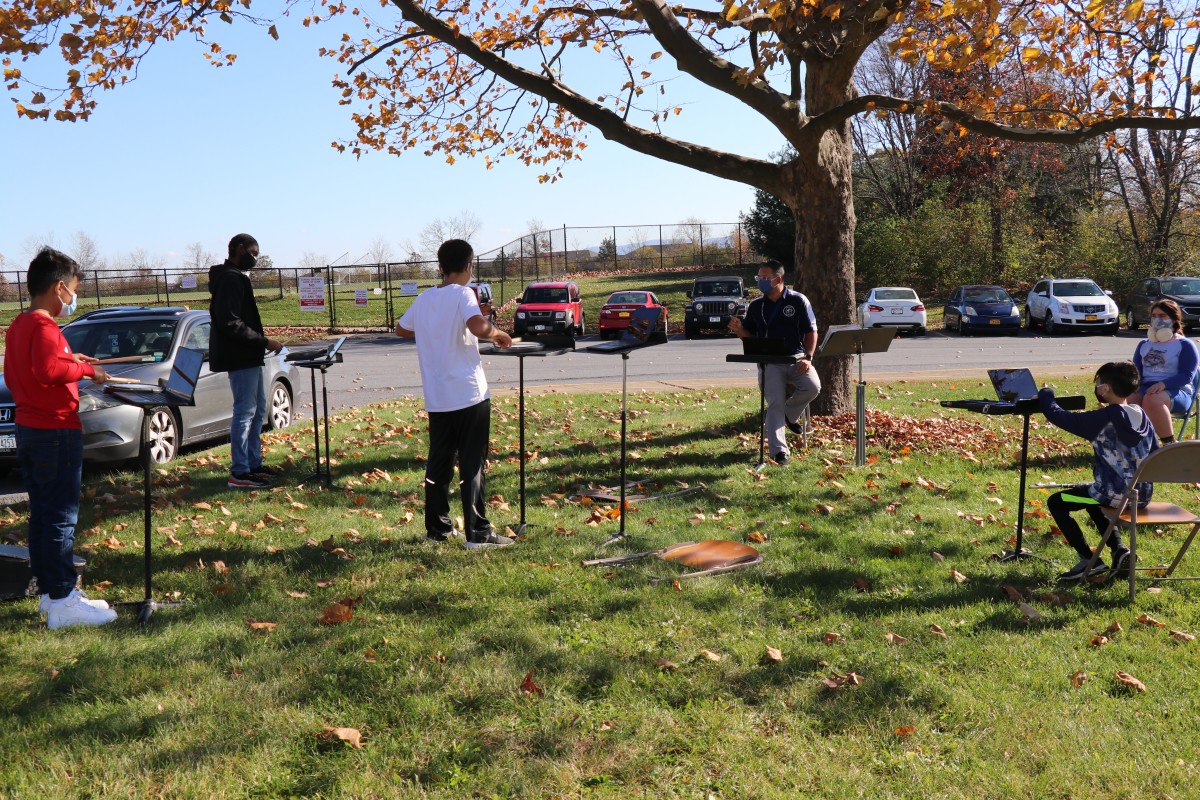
229 298
1085 424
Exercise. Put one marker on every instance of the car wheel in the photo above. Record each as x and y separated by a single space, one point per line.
1111 330
1130 322
919 331
1048 324
163 435
279 406
1030 324
689 332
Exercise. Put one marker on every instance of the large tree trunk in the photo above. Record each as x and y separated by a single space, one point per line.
822 201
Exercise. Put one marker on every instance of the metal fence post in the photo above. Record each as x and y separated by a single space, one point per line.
332 297
167 286
96 281
660 247
279 279
615 266
565 265
739 243
701 226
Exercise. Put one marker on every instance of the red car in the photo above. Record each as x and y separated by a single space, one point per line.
619 307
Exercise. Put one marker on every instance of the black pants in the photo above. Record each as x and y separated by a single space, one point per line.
460 436
1062 504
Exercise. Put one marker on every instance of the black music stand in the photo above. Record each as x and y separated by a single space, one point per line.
761 361
314 366
653 339
1026 408
521 354
146 401
851 340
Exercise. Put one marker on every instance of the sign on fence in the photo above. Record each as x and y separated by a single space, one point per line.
312 292
360 298
408 288
188 282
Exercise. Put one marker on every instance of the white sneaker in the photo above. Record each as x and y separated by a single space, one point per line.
74 609
493 540
44 602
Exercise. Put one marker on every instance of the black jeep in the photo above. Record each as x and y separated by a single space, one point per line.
713 302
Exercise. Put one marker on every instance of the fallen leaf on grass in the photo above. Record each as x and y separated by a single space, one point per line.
351 736
1030 613
665 665
677 586
297 595
262 626
958 576
1183 636
862 584
1130 681
831 638
336 613
1115 627
1098 641
936 556
529 687
324 582
1146 619
1078 678
825 508
1013 593
710 655
772 655
936 630
369 655
838 681
757 537
895 638
906 730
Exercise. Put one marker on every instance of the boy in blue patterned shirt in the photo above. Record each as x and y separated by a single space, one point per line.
1121 436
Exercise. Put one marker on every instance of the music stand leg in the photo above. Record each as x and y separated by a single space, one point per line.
324 473
325 415
620 534
762 418
860 423
1020 551
523 525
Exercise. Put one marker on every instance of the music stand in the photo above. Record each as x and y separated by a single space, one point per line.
185 359
655 338
851 340
761 361
314 366
521 354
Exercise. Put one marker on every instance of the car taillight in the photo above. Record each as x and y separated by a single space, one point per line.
917 307
875 309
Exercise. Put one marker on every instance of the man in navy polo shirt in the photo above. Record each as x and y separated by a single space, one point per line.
782 313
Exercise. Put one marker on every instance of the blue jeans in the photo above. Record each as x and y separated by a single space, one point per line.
51 466
249 408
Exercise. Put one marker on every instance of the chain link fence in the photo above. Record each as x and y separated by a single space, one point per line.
374 296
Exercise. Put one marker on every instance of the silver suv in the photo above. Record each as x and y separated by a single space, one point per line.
1062 304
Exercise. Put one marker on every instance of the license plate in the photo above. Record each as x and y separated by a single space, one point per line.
623 314
897 310
714 319
8 443
1090 318
993 322
539 327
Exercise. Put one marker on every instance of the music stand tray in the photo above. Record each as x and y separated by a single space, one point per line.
656 338
851 340
322 365
521 354
761 361
147 605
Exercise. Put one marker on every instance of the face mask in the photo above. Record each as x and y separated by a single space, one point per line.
247 262
1096 391
764 285
69 308
1160 330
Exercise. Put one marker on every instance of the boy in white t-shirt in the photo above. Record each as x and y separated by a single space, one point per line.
447 323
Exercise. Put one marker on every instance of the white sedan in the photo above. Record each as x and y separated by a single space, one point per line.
893 307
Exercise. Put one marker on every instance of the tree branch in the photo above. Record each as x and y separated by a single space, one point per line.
876 102
760 174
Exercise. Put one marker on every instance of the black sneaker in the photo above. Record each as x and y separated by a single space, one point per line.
438 538
794 427
267 470
245 480
1076 572
780 458
493 539
1120 562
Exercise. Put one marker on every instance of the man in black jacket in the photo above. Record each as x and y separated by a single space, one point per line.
237 346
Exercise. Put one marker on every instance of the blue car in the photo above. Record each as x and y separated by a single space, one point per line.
974 309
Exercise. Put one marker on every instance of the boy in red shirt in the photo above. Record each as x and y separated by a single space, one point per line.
42 373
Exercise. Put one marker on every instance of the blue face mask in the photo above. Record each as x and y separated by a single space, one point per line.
69 308
764 285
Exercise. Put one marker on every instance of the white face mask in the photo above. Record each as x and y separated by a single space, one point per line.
69 308
1160 330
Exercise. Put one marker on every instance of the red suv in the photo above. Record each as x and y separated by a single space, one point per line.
549 308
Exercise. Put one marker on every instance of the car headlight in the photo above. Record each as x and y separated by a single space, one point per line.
520 315
698 308
1064 307
970 311
95 402
559 314
1014 311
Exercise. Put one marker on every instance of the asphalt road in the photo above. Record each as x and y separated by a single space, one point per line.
380 367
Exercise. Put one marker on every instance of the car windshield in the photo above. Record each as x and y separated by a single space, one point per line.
717 289
1182 286
1077 289
545 294
895 294
987 295
121 338
628 297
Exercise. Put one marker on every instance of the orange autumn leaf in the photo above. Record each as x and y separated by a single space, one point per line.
1078 678
351 736
906 730
862 584
261 626
1146 619
1130 681
529 687
831 638
757 537
1182 636
1098 641
895 638
336 613
958 576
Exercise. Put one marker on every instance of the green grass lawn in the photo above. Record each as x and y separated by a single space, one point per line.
518 673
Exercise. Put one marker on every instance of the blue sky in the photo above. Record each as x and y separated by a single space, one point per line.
188 153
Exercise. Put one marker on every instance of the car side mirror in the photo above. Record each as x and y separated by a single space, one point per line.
688 294
520 298
1108 292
